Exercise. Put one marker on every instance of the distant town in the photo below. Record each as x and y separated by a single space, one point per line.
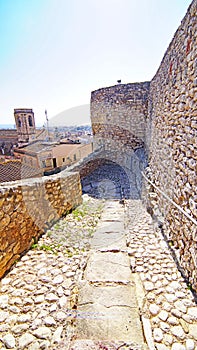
29 151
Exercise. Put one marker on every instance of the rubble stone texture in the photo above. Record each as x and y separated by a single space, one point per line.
159 119
172 140
57 287
118 116
31 206
134 125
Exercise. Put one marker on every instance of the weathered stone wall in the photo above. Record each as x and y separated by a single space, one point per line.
172 140
118 115
29 207
161 117
88 166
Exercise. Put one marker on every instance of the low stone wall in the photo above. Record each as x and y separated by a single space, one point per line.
29 207
88 164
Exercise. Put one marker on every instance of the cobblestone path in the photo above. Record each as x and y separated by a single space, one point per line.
167 306
40 296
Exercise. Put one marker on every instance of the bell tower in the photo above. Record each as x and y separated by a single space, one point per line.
25 125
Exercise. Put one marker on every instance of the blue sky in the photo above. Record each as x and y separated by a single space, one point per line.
53 53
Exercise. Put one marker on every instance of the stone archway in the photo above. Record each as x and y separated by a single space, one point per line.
108 180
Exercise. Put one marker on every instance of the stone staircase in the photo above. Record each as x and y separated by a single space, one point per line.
107 304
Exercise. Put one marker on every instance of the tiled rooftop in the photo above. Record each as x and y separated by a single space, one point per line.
15 170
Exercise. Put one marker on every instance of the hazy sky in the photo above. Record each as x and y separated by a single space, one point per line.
53 53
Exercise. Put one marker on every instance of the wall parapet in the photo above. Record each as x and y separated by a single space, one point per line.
29 207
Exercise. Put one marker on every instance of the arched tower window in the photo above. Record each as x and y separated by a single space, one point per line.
30 120
19 123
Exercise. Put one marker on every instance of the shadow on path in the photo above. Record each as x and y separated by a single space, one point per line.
109 181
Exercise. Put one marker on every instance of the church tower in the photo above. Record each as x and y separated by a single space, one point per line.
25 125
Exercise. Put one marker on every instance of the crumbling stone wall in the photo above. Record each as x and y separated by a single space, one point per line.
29 207
172 141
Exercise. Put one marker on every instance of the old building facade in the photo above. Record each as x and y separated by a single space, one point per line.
25 125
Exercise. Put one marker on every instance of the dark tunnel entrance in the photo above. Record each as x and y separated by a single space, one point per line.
109 181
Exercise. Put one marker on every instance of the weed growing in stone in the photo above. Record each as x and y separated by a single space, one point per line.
49 233
57 226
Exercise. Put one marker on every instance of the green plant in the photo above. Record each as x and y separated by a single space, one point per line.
46 247
49 233
80 211
189 287
57 226
34 246
68 252
171 243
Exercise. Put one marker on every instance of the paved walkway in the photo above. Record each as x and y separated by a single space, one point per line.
117 288
108 291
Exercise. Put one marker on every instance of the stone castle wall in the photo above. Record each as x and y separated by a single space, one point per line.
29 207
172 140
160 116
118 116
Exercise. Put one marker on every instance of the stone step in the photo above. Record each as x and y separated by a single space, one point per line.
108 267
109 312
107 305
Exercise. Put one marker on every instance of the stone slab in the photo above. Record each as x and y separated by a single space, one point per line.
113 215
108 296
87 344
104 267
117 323
109 241
110 227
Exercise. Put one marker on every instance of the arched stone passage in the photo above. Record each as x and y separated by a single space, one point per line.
107 179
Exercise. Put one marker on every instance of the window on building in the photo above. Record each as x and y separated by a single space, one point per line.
43 163
63 159
30 120
54 162
19 123
75 157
